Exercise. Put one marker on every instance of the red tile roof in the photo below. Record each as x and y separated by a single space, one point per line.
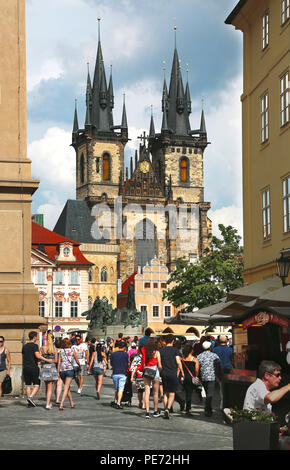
50 242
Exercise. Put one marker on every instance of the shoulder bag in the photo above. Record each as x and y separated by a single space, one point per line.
195 380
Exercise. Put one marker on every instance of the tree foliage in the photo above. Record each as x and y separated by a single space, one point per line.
216 273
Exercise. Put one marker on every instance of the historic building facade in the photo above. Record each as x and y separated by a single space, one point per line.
266 133
154 208
60 272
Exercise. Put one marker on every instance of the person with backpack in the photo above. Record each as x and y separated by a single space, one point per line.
5 362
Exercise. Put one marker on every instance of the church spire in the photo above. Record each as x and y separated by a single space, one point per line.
76 124
88 121
202 124
152 127
101 117
124 124
178 116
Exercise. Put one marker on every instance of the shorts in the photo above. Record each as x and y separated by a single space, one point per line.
119 382
80 370
3 374
97 371
169 382
31 376
67 373
157 376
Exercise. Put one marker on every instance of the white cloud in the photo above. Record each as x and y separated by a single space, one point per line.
51 214
231 215
50 68
53 160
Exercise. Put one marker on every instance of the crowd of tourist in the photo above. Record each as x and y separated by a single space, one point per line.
160 367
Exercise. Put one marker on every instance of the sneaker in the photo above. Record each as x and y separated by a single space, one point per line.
48 407
147 416
30 401
166 414
79 390
118 407
156 414
113 403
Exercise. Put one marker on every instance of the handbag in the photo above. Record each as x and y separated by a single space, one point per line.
149 373
195 380
7 385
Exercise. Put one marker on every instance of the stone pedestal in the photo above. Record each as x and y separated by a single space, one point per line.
18 297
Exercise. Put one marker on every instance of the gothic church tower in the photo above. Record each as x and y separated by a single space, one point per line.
99 147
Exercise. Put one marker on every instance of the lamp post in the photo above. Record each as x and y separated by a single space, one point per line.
283 266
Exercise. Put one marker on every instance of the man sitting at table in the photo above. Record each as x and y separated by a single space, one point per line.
259 394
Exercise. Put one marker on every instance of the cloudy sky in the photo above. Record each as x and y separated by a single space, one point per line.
137 36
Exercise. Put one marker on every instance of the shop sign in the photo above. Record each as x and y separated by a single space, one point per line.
264 317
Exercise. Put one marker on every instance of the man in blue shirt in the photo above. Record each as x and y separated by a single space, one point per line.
225 353
119 363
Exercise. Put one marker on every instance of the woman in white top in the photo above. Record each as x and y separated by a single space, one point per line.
65 369
99 362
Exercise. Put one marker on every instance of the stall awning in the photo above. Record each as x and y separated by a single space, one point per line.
255 290
280 297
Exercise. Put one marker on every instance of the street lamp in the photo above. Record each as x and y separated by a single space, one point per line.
283 266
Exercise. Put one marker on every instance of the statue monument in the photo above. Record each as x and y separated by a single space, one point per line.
102 315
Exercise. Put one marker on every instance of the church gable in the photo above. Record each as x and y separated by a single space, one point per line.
143 182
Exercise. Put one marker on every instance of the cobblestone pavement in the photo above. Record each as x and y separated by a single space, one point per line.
95 425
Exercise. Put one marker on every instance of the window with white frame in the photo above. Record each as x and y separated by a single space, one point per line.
265 30
74 278
266 214
286 203
40 277
285 10
58 309
284 99
58 277
41 308
167 311
73 308
264 117
155 311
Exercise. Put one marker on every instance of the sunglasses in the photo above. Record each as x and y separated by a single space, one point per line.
276 375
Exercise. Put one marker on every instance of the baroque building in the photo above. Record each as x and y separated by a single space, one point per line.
154 208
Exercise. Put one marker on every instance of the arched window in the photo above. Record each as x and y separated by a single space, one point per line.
184 170
104 274
82 168
106 166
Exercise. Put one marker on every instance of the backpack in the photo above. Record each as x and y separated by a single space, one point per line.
7 385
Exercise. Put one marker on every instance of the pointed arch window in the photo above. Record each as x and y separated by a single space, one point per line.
106 167
104 274
82 168
184 170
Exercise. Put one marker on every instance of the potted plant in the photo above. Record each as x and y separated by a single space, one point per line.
255 430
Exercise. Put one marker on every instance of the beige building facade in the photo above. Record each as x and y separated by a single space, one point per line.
265 25
18 296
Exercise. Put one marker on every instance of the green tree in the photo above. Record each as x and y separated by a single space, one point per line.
216 273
